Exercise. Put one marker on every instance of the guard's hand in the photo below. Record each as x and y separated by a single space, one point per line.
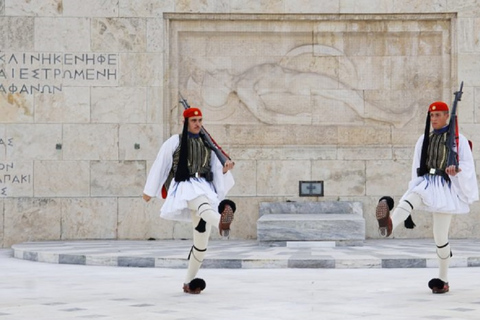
146 197
452 170
229 164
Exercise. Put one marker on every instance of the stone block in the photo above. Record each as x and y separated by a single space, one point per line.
2 223
155 38
119 34
4 142
310 227
89 218
308 207
119 105
138 220
31 219
61 179
90 8
34 8
16 179
280 177
71 105
145 8
341 222
245 178
16 108
156 115
388 177
34 142
90 141
141 69
62 34
139 141
341 178
17 33
117 178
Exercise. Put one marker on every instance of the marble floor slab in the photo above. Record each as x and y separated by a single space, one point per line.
44 291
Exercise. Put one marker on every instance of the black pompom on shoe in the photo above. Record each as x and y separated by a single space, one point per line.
438 286
390 201
221 205
195 286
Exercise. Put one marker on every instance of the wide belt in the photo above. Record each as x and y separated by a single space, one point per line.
198 175
439 172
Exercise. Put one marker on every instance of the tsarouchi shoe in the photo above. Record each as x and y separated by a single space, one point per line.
195 286
383 217
438 286
226 208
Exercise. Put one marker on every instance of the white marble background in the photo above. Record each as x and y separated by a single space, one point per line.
75 149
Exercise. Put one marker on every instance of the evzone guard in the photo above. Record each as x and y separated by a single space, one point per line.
194 181
443 182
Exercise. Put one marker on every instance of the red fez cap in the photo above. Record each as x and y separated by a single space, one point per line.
438 106
192 112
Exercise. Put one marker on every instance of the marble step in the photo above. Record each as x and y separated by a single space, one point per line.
311 207
344 229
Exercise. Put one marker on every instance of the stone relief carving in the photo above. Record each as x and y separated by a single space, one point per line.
254 85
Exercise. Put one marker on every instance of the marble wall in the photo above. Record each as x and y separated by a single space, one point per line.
293 89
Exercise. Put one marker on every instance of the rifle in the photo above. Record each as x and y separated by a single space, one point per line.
453 139
212 144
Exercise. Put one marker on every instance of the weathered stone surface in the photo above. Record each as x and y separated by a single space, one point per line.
72 105
341 178
30 219
16 179
90 141
311 221
141 221
387 177
4 145
16 108
90 8
139 141
310 207
61 179
53 8
280 177
2 227
119 105
34 142
62 34
145 8
16 33
117 178
89 218
119 34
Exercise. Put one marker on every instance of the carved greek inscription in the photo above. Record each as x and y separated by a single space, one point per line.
46 72
10 175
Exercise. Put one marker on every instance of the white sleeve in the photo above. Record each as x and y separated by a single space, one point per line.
465 182
416 161
222 182
161 167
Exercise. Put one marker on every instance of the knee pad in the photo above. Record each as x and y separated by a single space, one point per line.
444 252
201 226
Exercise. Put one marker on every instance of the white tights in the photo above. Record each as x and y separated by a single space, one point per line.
200 239
441 227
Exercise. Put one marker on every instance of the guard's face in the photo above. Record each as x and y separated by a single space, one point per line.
438 119
194 125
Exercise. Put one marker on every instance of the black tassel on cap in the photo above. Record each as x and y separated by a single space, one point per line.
182 173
